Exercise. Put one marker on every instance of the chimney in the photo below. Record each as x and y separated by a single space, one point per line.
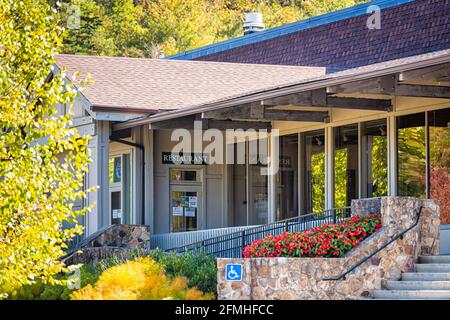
253 23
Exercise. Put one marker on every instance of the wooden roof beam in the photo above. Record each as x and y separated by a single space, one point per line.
320 98
262 113
434 74
388 85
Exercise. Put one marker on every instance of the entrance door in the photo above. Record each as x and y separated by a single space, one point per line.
185 207
314 171
120 188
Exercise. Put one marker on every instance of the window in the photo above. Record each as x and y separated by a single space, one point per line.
257 183
185 199
345 165
374 159
185 207
314 149
411 153
120 188
439 178
287 178
184 175
115 169
250 186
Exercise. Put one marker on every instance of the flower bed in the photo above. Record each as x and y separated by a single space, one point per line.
324 241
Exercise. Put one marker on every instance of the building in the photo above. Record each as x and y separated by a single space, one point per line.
360 113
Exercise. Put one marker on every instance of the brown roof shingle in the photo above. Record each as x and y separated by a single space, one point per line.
409 29
154 85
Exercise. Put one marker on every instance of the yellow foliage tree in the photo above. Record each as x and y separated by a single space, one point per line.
42 160
142 279
141 28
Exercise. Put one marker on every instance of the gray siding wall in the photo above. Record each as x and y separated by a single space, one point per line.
215 195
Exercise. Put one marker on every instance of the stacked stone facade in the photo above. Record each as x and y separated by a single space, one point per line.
113 241
303 278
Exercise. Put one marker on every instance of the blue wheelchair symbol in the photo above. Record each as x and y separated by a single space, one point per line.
233 272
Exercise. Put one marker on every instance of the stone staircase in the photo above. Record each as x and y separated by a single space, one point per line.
431 280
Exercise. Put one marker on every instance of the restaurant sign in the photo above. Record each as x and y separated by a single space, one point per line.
185 158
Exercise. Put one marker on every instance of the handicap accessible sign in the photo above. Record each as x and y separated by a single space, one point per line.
233 272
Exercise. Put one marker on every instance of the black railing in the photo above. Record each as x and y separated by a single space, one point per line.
231 245
343 275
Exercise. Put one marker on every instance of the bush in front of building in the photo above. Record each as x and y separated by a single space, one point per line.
140 279
86 274
198 270
199 267
327 240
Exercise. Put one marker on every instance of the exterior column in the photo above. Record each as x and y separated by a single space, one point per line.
148 140
301 176
362 164
329 168
138 183
392 155
272 171
98 175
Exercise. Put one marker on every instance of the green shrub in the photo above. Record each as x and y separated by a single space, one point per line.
107 263
200 268
89 274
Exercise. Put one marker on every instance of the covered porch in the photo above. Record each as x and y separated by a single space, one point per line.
373 131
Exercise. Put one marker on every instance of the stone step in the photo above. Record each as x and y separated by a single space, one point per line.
432 267
418 285
411 294
425 276
434 259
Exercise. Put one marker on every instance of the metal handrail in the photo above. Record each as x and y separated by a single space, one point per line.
343 276
233 243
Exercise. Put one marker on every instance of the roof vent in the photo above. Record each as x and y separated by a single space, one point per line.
253 23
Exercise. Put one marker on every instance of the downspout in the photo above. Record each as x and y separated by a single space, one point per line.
141 147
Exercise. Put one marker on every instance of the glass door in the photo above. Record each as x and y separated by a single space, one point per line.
287 178
314 171
185 207
120 188
374 168
185 199
346 165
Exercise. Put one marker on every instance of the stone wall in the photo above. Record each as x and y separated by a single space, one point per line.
366 206
115 240
302 278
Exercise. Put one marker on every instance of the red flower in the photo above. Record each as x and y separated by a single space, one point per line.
323 241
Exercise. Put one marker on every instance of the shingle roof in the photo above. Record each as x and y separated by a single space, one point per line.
154 85
407 29
286 29
347 74
311 83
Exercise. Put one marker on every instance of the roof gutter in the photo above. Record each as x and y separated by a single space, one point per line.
281 91
106 108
